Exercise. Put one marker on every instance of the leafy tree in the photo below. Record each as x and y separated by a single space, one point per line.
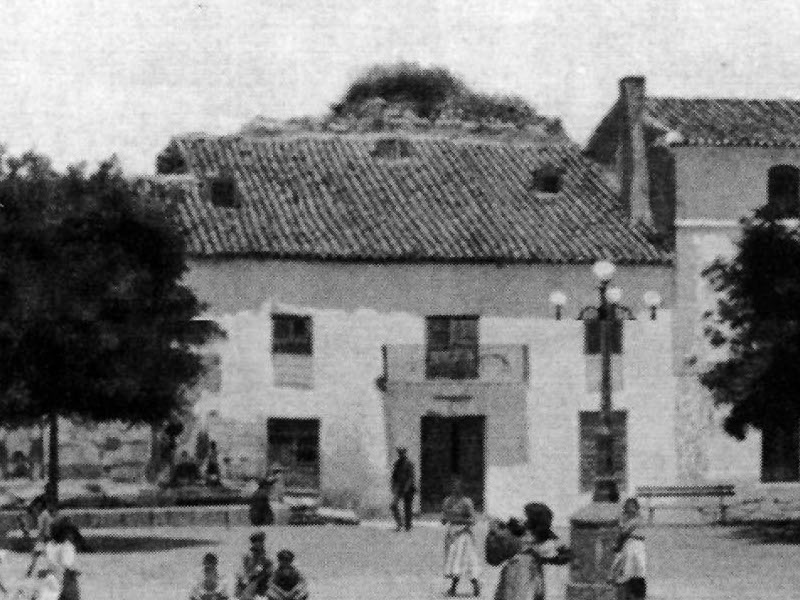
757 322
429 92
425 90
95 323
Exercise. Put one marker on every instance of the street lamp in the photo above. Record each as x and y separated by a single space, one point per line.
594 527
607 313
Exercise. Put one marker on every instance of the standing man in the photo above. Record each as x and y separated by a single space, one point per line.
403 489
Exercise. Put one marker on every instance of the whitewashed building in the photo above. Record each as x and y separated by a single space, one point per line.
384 290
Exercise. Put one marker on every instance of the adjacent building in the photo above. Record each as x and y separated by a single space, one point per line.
693 167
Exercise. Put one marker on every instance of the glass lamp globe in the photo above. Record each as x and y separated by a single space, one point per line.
652 299
614 295
604 270
558 298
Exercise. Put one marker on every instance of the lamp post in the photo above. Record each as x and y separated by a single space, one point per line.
605 482
593 530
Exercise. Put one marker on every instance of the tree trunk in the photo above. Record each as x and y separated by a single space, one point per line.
52 464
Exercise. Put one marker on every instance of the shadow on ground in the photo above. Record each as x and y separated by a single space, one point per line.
113 544
768 533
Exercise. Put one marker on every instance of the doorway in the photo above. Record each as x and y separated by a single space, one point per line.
294 445
451 446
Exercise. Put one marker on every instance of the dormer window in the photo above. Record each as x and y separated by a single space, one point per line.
392 148
783 191
547 179
223 191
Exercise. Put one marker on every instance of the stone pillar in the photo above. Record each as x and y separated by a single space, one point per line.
592 537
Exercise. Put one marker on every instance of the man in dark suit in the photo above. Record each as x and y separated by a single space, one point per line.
403 489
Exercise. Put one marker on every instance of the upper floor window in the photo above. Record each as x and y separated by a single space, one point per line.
452 347
783 191
547 179
223 192
292 334
592 336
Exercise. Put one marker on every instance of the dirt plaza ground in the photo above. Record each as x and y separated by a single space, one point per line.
373 562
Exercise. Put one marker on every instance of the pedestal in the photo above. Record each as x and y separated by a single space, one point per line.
592 536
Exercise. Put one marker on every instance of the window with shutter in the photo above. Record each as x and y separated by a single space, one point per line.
452 347
783 191
292 334
589 425
591 336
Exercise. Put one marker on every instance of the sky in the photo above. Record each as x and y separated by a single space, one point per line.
84 79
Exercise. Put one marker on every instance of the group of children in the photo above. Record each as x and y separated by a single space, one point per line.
257 579
52 573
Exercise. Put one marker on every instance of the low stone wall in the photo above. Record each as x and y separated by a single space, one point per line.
190 516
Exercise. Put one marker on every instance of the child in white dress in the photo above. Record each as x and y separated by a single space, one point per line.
628 571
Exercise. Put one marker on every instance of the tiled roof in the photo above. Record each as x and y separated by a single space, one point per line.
329 197
727 122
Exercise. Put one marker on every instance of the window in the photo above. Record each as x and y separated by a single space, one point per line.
291 334
452 347
547 179
294 445
783 191
780 452
591 336
589 424
223 192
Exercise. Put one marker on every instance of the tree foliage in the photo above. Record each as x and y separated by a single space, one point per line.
95 323
757 322
430 92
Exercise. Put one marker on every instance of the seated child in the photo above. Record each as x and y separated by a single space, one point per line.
287 583
211 587
47 586
628 568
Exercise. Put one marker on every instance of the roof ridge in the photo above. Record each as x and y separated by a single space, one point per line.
465 140
722 98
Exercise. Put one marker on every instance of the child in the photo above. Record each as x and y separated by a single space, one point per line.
256 571
47 586
287 583
211 587
628 568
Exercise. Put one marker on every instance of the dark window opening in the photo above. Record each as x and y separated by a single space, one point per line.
592 331
780 452
452 348
589 426
392 148
294 445
292 334
783 191
223 192
548 179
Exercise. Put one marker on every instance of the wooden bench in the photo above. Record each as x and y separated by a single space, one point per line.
718 490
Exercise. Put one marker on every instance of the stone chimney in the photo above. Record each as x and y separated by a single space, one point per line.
632 153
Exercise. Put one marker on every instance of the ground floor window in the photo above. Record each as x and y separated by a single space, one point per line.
780 452
293 444
589 424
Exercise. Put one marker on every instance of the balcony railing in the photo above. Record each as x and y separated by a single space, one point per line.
414 363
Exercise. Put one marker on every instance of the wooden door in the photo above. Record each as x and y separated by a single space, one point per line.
450 447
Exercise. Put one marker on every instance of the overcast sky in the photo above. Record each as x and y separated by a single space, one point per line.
82 79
